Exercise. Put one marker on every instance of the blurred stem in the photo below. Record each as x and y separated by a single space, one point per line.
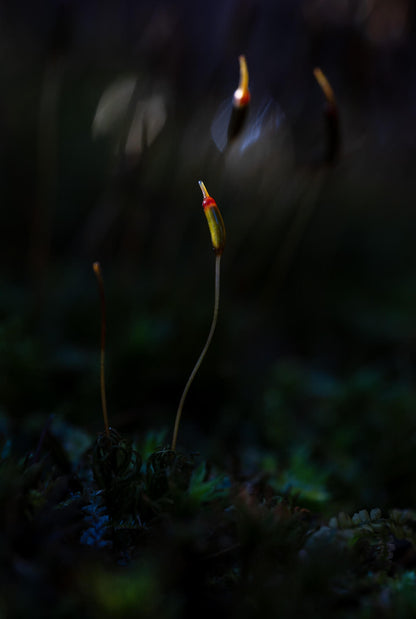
46 176
295 234
203 352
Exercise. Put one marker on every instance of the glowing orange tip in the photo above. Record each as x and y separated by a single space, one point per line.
97 268
325 86
242 94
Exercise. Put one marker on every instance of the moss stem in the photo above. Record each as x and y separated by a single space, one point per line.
203 352
97 270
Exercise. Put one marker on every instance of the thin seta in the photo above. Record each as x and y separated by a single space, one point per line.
115 463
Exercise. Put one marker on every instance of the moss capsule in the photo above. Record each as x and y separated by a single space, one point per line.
214 219
331 116
325 86
241 99
242 94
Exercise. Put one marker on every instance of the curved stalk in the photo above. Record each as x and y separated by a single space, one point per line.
97 270
203 352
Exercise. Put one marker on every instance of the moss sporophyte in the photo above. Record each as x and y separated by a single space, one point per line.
241 100
217 231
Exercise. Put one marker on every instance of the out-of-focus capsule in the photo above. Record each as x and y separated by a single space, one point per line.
331 116
242 94
214 219
241 99
325 86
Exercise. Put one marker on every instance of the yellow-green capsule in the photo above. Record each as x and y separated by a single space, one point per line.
214 219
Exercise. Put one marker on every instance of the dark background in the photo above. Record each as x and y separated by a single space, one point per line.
314 352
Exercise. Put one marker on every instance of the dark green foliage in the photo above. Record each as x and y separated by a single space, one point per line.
167 472
350 435
167 535
117 471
